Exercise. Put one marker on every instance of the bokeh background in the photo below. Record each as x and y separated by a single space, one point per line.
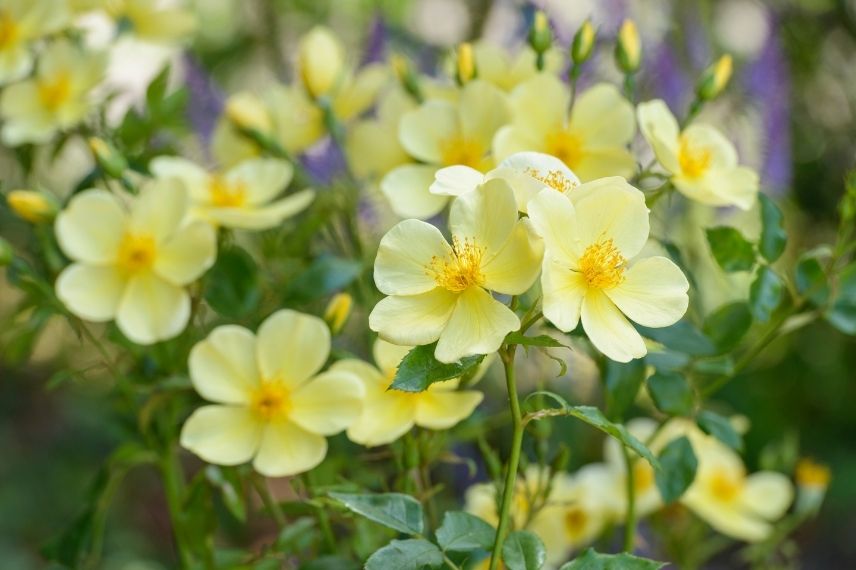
791 109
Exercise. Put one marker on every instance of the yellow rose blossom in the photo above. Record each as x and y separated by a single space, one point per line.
591 140
271 404
590 273
57 98
133 266
442 133
242 197
701 162
495 65
440 292
388 413
371 145
22 22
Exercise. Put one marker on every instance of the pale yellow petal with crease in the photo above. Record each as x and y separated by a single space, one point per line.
415 319
225 435
477 325
291 347
328 403
223 366
152 309
287 449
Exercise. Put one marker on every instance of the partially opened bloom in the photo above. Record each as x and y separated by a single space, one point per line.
271 404
442 133
133 265
702 163
22 22
242 197
56 98
441 292
590 274
592 140
526 172
388 413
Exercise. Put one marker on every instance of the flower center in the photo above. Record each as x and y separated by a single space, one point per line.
9 32
725 486
602 265
137 252
225 194
460 150
565 146
575 521
643 476
555 179
694 161
270 400
460 270
54 92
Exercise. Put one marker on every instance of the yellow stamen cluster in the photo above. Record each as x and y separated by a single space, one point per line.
225 194
725 486
462 269
694 161
460 150
137 252
565 146
602 265
555 179
811 474
270 400
55 92
575 521
9 32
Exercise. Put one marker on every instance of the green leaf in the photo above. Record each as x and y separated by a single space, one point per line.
811 281
773 235
679 469
296 535
732 251
842 312
719 427
681 337
765 294
226 480
329 562
727 325
325 275
622 385
591 560
156 90
540 340
233 284
523 550
463 531
395 510
419 369
671 393
412 554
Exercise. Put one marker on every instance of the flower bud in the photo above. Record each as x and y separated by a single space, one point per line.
540 34
406 76
466 63
715 78
337 312
583 43
109 159
812 482
6 253
246 112
321 61
628 48
32 206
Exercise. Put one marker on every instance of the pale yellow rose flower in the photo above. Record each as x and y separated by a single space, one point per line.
271 404
57 98
444 133
592 140
496 65
133 265
371 145
388 414
242 197
22 22
701 162
441 292
591 239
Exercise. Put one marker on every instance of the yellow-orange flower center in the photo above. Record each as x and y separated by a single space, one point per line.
811 474
461 150
54 92
565 146
555 179
576 520
460 270
725 486
137 252
602 265
9 31
694 160
271 400
225 194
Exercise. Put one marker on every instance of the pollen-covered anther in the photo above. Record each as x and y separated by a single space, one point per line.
555 179
602 265
460 270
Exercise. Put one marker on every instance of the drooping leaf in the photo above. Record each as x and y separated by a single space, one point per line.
591 560
395 510
679 464
765 294
671 393
411 554
523 550
727 325
622 385
463 531
731 250
419 369
233 284
773 235
719 427
542 340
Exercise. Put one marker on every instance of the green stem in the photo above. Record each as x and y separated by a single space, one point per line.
173 489
272 506
630 516
513 460
321 515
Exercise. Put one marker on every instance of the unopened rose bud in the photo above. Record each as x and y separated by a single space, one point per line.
812 482
540 34
466 63
321 61
109 159
628 48
583 44
337 312
247 112
406 76
715 78
32 206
